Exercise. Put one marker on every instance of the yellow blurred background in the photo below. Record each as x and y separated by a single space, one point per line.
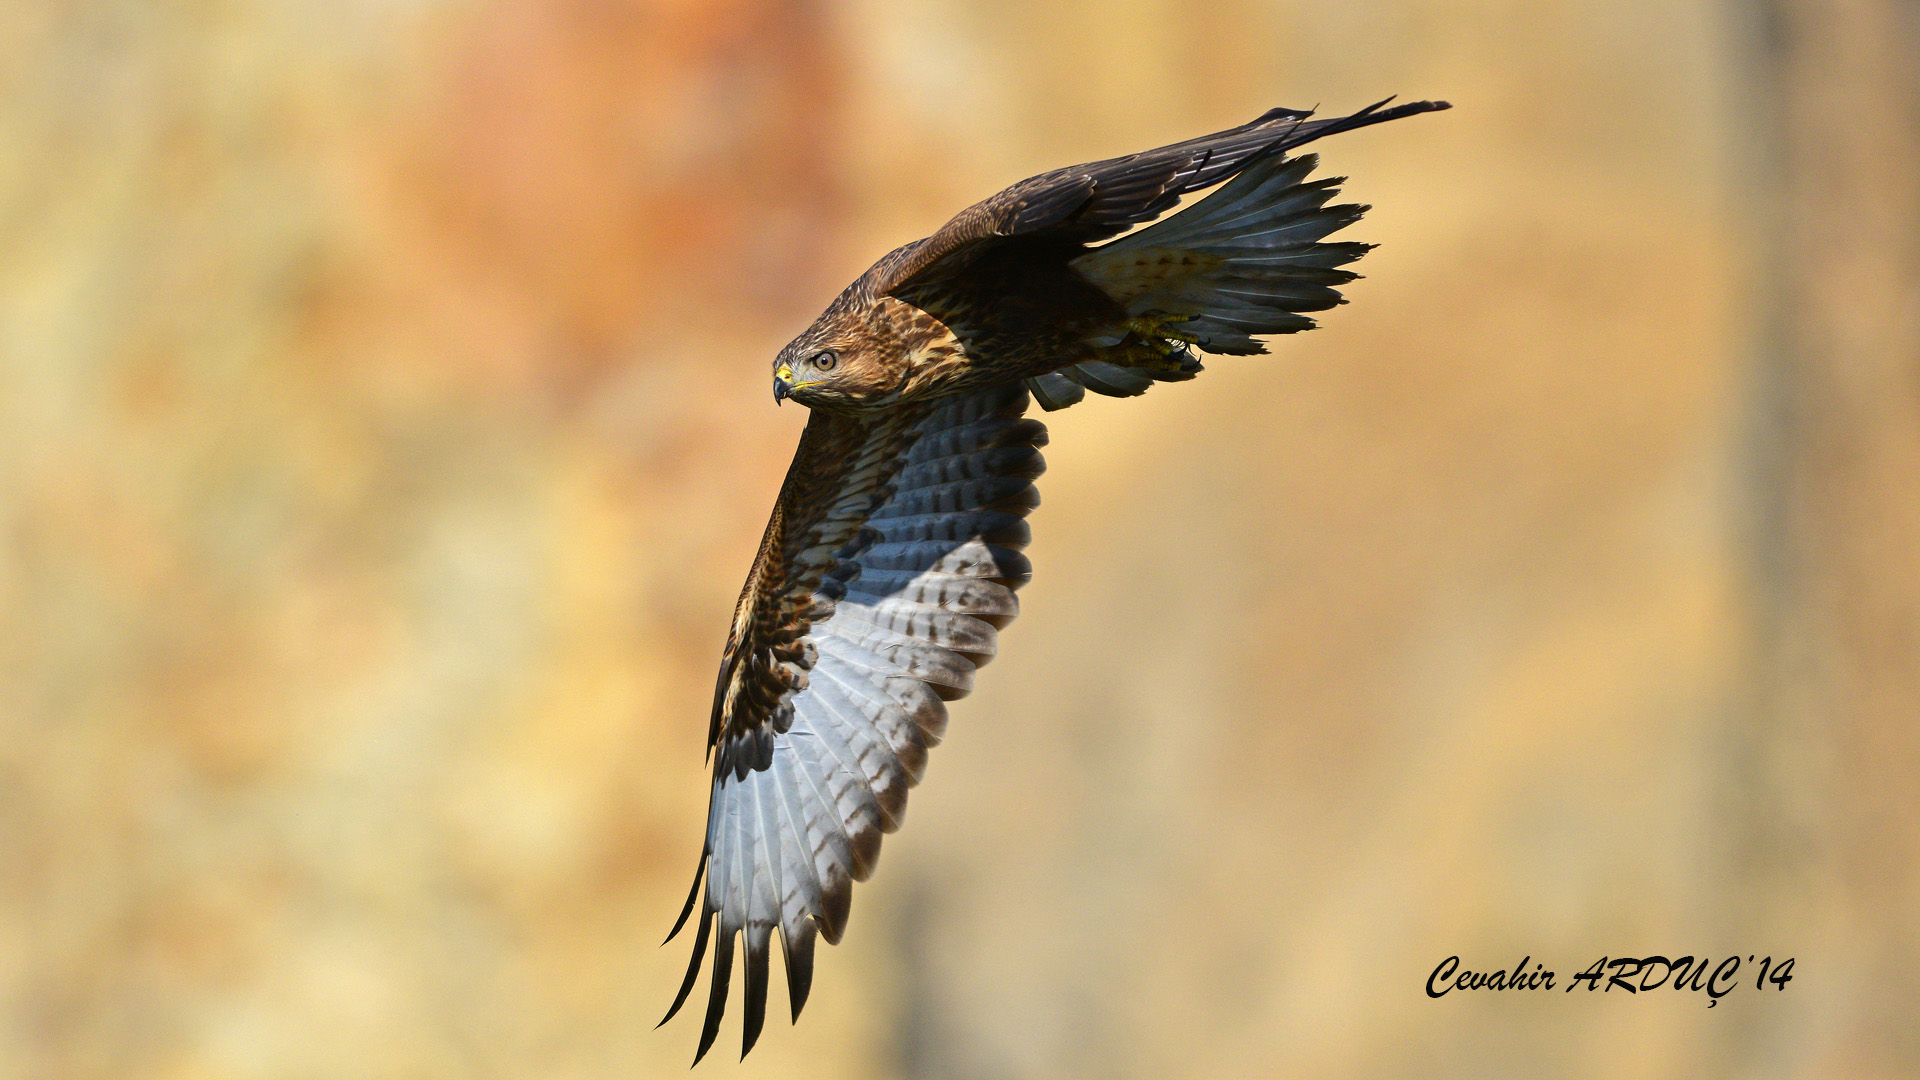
384 434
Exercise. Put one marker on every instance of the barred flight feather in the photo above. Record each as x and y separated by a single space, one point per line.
909 602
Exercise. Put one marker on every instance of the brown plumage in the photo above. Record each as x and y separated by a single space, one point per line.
893 552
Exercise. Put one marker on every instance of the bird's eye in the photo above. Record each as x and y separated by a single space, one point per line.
825 361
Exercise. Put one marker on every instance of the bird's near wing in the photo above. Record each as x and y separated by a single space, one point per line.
887 570
1085 203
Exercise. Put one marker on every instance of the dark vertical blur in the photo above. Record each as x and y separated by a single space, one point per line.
384 432
1825 758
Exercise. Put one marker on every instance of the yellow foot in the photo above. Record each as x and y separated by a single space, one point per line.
1157 343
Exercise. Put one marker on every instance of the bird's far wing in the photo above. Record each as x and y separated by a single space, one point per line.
881 590
1103 198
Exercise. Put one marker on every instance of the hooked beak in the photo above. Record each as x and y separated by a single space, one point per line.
782 386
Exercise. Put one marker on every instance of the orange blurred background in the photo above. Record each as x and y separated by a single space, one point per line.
386 434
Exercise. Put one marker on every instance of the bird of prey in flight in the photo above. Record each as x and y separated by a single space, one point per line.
891 559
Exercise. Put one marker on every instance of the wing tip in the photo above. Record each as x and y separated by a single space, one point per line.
693 894
799 953
1376 113
755 1000
717 994
693 970
1280 113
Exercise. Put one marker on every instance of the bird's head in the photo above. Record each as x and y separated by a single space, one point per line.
807 374
837 366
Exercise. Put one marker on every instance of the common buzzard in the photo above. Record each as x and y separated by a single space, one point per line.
892 557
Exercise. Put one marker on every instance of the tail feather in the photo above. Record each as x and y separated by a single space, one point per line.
1247 260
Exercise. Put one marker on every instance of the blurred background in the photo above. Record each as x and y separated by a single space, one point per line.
384 435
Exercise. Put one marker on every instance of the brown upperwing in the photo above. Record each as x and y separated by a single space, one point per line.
1104 198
